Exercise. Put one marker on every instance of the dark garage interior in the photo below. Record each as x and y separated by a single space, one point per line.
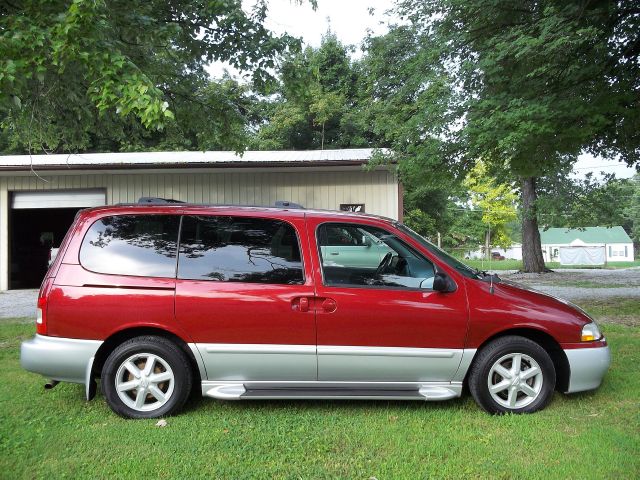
32 234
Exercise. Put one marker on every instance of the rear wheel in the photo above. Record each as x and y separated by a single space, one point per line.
512 374
146 377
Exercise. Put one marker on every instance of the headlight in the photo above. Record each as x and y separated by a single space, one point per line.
591 332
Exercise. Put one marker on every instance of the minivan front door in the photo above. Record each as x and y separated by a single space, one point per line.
243 293
382 321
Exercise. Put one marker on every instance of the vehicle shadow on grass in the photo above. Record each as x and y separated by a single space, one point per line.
196 403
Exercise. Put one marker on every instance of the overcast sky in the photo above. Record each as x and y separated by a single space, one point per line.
351 20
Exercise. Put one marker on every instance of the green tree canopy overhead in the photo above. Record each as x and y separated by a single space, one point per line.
77 73
315 102
526 86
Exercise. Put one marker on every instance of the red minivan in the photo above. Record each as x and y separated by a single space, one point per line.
284 303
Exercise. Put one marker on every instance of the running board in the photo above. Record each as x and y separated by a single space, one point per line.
275 391
331 394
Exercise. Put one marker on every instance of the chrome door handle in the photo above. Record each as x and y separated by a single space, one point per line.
301 304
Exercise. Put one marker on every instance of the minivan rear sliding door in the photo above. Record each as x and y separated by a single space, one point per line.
243 293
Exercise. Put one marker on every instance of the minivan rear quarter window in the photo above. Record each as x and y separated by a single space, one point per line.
138 245
239 249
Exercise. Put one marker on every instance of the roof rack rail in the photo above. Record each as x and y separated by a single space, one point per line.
287 204
156 200
168 201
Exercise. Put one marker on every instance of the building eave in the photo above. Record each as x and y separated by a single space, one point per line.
183 165
190 159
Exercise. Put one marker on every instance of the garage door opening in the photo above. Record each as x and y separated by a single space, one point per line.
38 222
33 233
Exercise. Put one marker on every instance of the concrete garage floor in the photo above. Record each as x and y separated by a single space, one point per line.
572 285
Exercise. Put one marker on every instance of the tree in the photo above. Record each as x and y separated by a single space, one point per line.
631 191
568 201
313 101
579 202
88 74
526 86
496 202
402 106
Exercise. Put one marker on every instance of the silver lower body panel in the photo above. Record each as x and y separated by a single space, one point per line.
62 359
587 366
284 363
387 364
244 362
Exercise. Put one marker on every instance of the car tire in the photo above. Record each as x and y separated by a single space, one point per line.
512 374
135 388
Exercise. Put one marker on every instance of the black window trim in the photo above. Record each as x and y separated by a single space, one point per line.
231 215
371 287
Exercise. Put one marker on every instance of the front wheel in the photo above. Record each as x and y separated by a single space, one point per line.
512 374
146 377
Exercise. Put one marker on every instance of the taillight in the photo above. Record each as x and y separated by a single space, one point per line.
41 311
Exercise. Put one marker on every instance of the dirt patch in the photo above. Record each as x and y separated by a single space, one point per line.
621 310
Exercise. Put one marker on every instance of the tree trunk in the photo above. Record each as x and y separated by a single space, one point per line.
532 258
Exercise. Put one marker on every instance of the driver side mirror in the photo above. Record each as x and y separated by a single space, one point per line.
443 283
366 241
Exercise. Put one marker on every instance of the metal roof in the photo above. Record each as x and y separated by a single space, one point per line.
83 161
561 236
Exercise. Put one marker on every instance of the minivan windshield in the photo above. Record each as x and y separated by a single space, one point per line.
465 270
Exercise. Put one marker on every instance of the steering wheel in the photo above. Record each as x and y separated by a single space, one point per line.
386 261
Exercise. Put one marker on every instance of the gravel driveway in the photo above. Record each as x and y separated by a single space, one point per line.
568 284
580 284
18 304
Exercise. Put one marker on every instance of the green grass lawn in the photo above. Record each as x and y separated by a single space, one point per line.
517 265
57 434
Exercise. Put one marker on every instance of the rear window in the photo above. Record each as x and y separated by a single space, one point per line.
239 249
139 245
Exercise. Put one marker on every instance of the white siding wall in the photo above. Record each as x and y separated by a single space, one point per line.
618 251
320 188
615 247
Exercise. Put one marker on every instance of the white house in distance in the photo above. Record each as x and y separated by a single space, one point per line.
40 194
575 246
587 246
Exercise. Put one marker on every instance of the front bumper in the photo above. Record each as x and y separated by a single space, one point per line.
587 366
62 359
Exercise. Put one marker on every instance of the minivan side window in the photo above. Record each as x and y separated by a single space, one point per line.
359 255
138 245
239 249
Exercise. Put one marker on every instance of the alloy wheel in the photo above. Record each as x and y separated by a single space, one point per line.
515 380
144 382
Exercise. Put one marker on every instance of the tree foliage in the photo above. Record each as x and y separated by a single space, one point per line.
94 74
496 201
315 101
567 201
526 86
